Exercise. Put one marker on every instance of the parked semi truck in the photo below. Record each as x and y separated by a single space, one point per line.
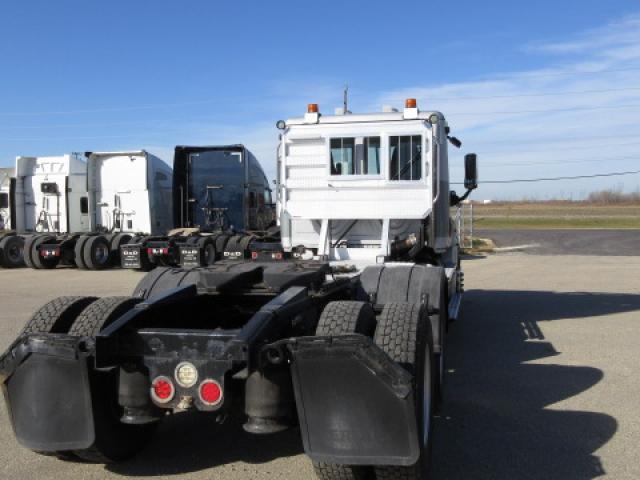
10 244
221 201
342 334
73 212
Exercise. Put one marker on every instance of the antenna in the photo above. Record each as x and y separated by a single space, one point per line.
345 99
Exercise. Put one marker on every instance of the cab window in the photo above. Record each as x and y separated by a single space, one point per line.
355 156
405 157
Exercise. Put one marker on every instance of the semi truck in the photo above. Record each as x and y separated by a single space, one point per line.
72 212
341 333
221 204
10 244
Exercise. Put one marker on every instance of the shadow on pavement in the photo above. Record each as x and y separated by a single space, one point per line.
495 423
194 442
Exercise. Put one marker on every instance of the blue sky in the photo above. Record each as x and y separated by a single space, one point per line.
78 75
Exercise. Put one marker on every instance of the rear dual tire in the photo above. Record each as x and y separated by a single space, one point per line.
403 332
114 441
87 316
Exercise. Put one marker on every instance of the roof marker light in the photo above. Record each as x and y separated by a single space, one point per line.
312 108
410 103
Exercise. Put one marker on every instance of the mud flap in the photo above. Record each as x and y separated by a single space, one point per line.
47 391
356 405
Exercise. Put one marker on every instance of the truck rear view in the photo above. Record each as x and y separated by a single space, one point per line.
339 330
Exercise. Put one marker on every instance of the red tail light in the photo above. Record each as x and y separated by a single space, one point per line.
165 251
277 256
210 392
149 251
162 389
254 255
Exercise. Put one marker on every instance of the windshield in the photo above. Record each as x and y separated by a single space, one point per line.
216 189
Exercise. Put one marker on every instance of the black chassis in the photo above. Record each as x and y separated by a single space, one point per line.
353 403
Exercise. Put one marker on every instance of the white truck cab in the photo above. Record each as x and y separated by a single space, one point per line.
51 194
6 176
354 187
129 192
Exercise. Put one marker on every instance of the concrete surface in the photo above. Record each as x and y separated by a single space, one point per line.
603 242
542 381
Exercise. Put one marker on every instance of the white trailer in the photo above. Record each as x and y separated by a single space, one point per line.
80 213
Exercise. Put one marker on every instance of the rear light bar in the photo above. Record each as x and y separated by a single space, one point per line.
158 251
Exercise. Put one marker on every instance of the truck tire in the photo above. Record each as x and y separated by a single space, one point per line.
114 441
38 261
344 318
12 251
27 252
58 315
116 242
208 248
221 242
404 333
78 250
96 253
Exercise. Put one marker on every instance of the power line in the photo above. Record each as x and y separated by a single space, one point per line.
559 163
551 179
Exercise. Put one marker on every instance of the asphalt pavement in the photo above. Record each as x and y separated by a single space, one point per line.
599 242
542 381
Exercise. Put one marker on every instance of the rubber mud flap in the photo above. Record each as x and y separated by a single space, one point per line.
48 396
356 405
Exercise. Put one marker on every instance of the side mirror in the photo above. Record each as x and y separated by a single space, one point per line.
4 200
470 171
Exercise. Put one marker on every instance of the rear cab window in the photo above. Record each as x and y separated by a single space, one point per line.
355 156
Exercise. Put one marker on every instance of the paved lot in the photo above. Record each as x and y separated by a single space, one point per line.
601 242
543 381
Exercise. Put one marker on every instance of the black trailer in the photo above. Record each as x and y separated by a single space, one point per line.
221 203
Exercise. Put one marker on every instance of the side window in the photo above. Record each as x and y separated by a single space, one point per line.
84 205
355 156
4 200
267 197
405 158
161 177
252 199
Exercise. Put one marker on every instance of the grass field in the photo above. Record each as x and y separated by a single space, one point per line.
556 215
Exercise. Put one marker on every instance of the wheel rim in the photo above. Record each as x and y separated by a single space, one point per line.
102 254
426 401
15 253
